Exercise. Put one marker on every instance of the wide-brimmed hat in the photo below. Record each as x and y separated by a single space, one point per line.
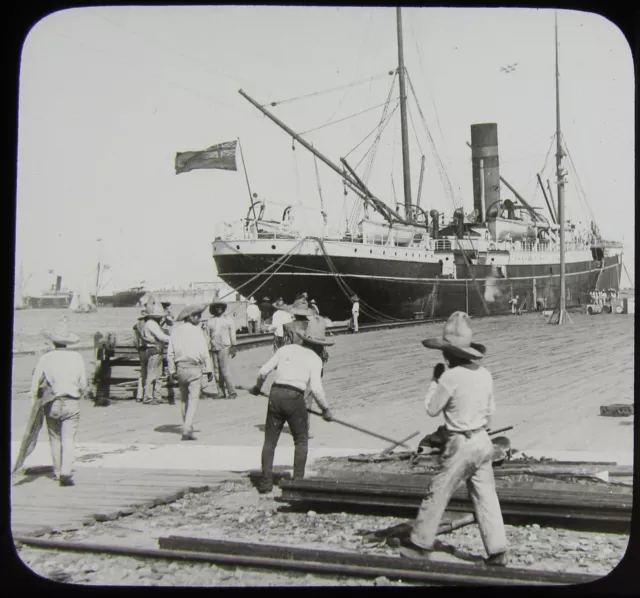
312 302
215 304
456 338
280 304
300 308
266 299
252 300
315 332
195 308
154 308
61 335
355 298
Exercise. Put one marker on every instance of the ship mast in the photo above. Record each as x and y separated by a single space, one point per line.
562 311
403 123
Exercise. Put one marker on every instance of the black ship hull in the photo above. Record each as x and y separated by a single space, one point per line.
405 290
122 299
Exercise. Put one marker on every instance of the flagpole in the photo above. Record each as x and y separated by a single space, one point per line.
246 176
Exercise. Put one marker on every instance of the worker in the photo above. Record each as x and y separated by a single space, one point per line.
463 392
142 354
189 361
314 306
167 324
155 341
266 311
514 304
253 317
355 314
280 317
222 344
298 367
59 382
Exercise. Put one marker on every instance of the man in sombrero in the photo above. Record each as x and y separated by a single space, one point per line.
280 317
188 361
297 368
463 392
59 382
155 341
222 344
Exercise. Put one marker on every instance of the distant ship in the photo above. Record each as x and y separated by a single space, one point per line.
55 297
128 298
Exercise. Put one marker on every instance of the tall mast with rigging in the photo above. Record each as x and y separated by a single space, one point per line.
562 311
403 122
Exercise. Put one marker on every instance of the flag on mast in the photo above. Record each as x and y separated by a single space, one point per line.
221 156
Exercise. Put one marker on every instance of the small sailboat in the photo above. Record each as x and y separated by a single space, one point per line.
82 302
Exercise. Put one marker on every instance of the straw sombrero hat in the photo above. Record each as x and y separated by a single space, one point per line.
154 309
355 298
61 335
266 299
456 338
196 308
215 304
300 308
280 304
315 332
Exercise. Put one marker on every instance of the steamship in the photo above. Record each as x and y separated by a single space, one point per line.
409 264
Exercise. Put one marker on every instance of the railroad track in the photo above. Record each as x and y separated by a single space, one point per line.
588 509
321 562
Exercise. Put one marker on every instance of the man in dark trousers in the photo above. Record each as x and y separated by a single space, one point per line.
298 368
463 392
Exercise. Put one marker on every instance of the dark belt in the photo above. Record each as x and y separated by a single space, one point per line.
287 386
153 350
467 433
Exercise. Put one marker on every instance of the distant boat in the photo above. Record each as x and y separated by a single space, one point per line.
55 297
128 298
82 303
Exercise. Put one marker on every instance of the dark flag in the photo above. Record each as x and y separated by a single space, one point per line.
221 156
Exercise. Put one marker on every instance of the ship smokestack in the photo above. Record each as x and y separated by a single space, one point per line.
58 283
485 167
435 217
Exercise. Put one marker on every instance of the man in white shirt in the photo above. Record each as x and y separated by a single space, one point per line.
154 339
188 361
142 354
298 368
280 317
464 395
253 316
355 313
59 382
222 342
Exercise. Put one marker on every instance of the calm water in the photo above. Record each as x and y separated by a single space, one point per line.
29 323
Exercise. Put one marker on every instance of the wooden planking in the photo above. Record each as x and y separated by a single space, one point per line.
100 494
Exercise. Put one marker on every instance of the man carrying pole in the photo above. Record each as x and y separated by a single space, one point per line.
298 368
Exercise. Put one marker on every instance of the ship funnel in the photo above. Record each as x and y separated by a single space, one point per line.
485 168
58 283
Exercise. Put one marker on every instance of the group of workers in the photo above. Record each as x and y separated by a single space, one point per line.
603 297
460 389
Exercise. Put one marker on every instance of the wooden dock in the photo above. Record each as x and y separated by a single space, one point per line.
40 506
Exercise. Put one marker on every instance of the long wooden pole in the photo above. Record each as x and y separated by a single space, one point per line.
246 176
403 122
420 182
546 199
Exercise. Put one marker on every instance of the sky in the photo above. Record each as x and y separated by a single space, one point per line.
108 95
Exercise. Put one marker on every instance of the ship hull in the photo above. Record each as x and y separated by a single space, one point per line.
123 299
55 302
408 289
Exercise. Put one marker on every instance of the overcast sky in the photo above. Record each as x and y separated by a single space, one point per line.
109 95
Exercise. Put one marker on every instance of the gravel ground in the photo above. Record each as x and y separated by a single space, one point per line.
236 511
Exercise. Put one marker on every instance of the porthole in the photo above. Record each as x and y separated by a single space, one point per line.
237 246
273 247
447 259
384 253
370 250
493 260
355 251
